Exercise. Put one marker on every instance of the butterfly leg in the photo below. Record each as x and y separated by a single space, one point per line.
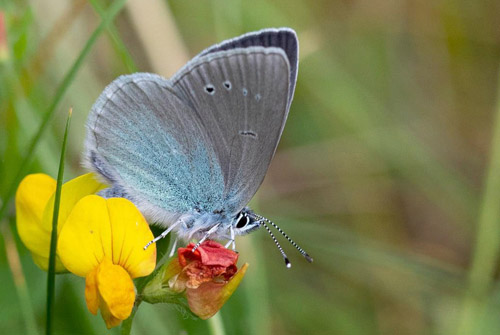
231 241
228 243
207 234
232 237
162 235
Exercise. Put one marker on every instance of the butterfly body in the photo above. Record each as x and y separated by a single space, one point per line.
191 151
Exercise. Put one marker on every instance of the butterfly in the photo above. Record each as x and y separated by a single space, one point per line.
191 151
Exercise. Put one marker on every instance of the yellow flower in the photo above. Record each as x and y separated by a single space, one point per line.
102 240
35 206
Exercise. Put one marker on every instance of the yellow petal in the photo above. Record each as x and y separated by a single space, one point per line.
108 287
91 293
113 228
116 290
208 298
108 318
130 233
32 196
71 192
86 236
35 206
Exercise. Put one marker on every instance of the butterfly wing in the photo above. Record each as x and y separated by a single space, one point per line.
153 148
202 141
241 97
282 38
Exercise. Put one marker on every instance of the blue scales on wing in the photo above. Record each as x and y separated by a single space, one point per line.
152 148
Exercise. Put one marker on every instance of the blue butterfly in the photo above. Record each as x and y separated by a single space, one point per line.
191 151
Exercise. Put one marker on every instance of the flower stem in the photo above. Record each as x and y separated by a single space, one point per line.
215 325
161 248
127 324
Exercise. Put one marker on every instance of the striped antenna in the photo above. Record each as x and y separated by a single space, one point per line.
302 251
287 262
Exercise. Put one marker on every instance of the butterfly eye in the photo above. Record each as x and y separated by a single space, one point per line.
243 220
227 85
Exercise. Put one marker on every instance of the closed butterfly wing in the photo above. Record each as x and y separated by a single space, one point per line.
242 98
283 38
153 148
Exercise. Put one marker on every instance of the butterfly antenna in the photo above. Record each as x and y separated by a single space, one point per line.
302 251
207 234
287 262
162 235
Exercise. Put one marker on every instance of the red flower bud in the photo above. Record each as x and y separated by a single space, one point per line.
210 262
207 277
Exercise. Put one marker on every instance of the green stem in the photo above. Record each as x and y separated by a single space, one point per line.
140 284
216 325
127 324
51 275
113 10
485 257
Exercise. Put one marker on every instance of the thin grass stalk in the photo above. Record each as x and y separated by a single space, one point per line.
51 274
19 280
113 10
486 253
118 43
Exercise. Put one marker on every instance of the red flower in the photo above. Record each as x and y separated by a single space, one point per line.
209 262
208 277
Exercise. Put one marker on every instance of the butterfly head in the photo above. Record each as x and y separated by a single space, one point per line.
246 222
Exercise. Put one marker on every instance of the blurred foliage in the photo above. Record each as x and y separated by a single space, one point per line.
380 175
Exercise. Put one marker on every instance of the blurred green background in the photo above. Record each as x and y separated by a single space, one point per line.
388 171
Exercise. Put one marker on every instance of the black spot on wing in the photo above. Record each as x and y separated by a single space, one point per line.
248 133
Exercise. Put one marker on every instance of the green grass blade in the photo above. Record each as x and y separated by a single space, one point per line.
68 79
485 256
51 275
120 47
